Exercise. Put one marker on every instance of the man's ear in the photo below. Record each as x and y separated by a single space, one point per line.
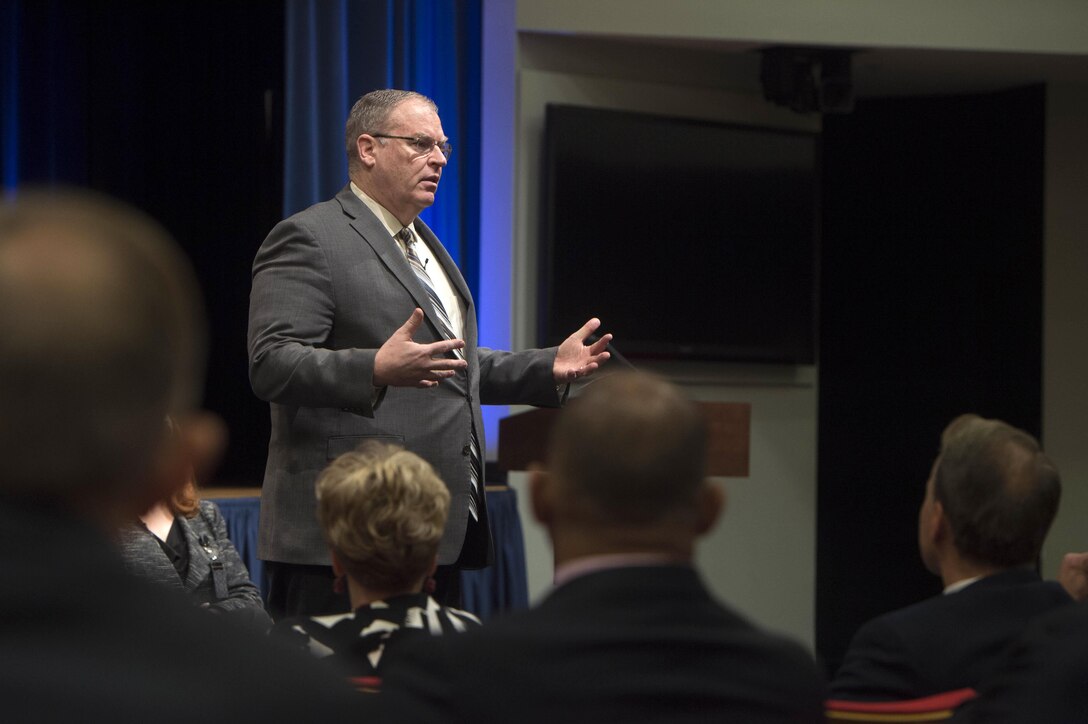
711 504
541 495
939 529
364 149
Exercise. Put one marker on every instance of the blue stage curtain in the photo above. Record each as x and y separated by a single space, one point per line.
335 51
338 50
43 72
242 516
9 96
503 586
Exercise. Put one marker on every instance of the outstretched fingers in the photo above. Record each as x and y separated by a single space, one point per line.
587 329
600 347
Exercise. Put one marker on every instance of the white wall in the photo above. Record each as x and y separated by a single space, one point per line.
1065 325
1041 26
762 557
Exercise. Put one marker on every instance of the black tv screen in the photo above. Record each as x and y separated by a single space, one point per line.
689 239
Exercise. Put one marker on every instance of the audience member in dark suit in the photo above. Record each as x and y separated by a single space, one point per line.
100 340
382 510
183 544
630 633
1043 679
989 501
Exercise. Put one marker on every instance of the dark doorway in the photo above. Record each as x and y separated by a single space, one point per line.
931 306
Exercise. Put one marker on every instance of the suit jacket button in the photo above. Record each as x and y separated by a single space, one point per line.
466 450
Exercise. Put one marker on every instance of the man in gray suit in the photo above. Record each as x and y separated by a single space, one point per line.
361 327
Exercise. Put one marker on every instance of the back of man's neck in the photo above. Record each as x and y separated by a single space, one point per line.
958 570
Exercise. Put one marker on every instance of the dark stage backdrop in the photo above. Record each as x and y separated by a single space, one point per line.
176 108
931 306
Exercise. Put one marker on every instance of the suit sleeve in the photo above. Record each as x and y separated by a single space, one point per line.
292 311
518 378
875 667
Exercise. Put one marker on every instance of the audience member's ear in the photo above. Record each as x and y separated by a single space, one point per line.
337 566
711 504
939 529
541 495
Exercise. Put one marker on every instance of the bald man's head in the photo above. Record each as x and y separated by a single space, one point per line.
626 473
101 337
632 447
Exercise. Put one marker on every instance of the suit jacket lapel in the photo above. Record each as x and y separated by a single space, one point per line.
363 221
367 226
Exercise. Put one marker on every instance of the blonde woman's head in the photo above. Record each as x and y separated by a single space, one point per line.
383 510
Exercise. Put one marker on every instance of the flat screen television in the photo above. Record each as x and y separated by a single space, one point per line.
689 239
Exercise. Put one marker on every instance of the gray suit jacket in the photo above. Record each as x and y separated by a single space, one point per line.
330 285
205 535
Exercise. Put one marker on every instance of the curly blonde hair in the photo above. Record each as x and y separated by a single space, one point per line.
383 510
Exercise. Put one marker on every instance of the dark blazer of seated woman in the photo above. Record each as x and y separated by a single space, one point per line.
182 543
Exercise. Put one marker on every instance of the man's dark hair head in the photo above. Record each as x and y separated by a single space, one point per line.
632 448
370 114
999 492
101 337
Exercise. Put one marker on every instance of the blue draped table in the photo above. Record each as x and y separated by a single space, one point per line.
501 587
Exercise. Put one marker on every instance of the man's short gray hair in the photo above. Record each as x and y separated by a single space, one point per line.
371 113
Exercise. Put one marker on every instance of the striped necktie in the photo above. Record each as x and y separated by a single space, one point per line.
445 329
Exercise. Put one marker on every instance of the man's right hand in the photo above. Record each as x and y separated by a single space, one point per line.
400 362
1073 575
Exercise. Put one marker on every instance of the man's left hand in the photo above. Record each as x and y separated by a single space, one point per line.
576 359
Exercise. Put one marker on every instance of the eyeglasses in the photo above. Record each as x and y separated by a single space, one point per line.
422 144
